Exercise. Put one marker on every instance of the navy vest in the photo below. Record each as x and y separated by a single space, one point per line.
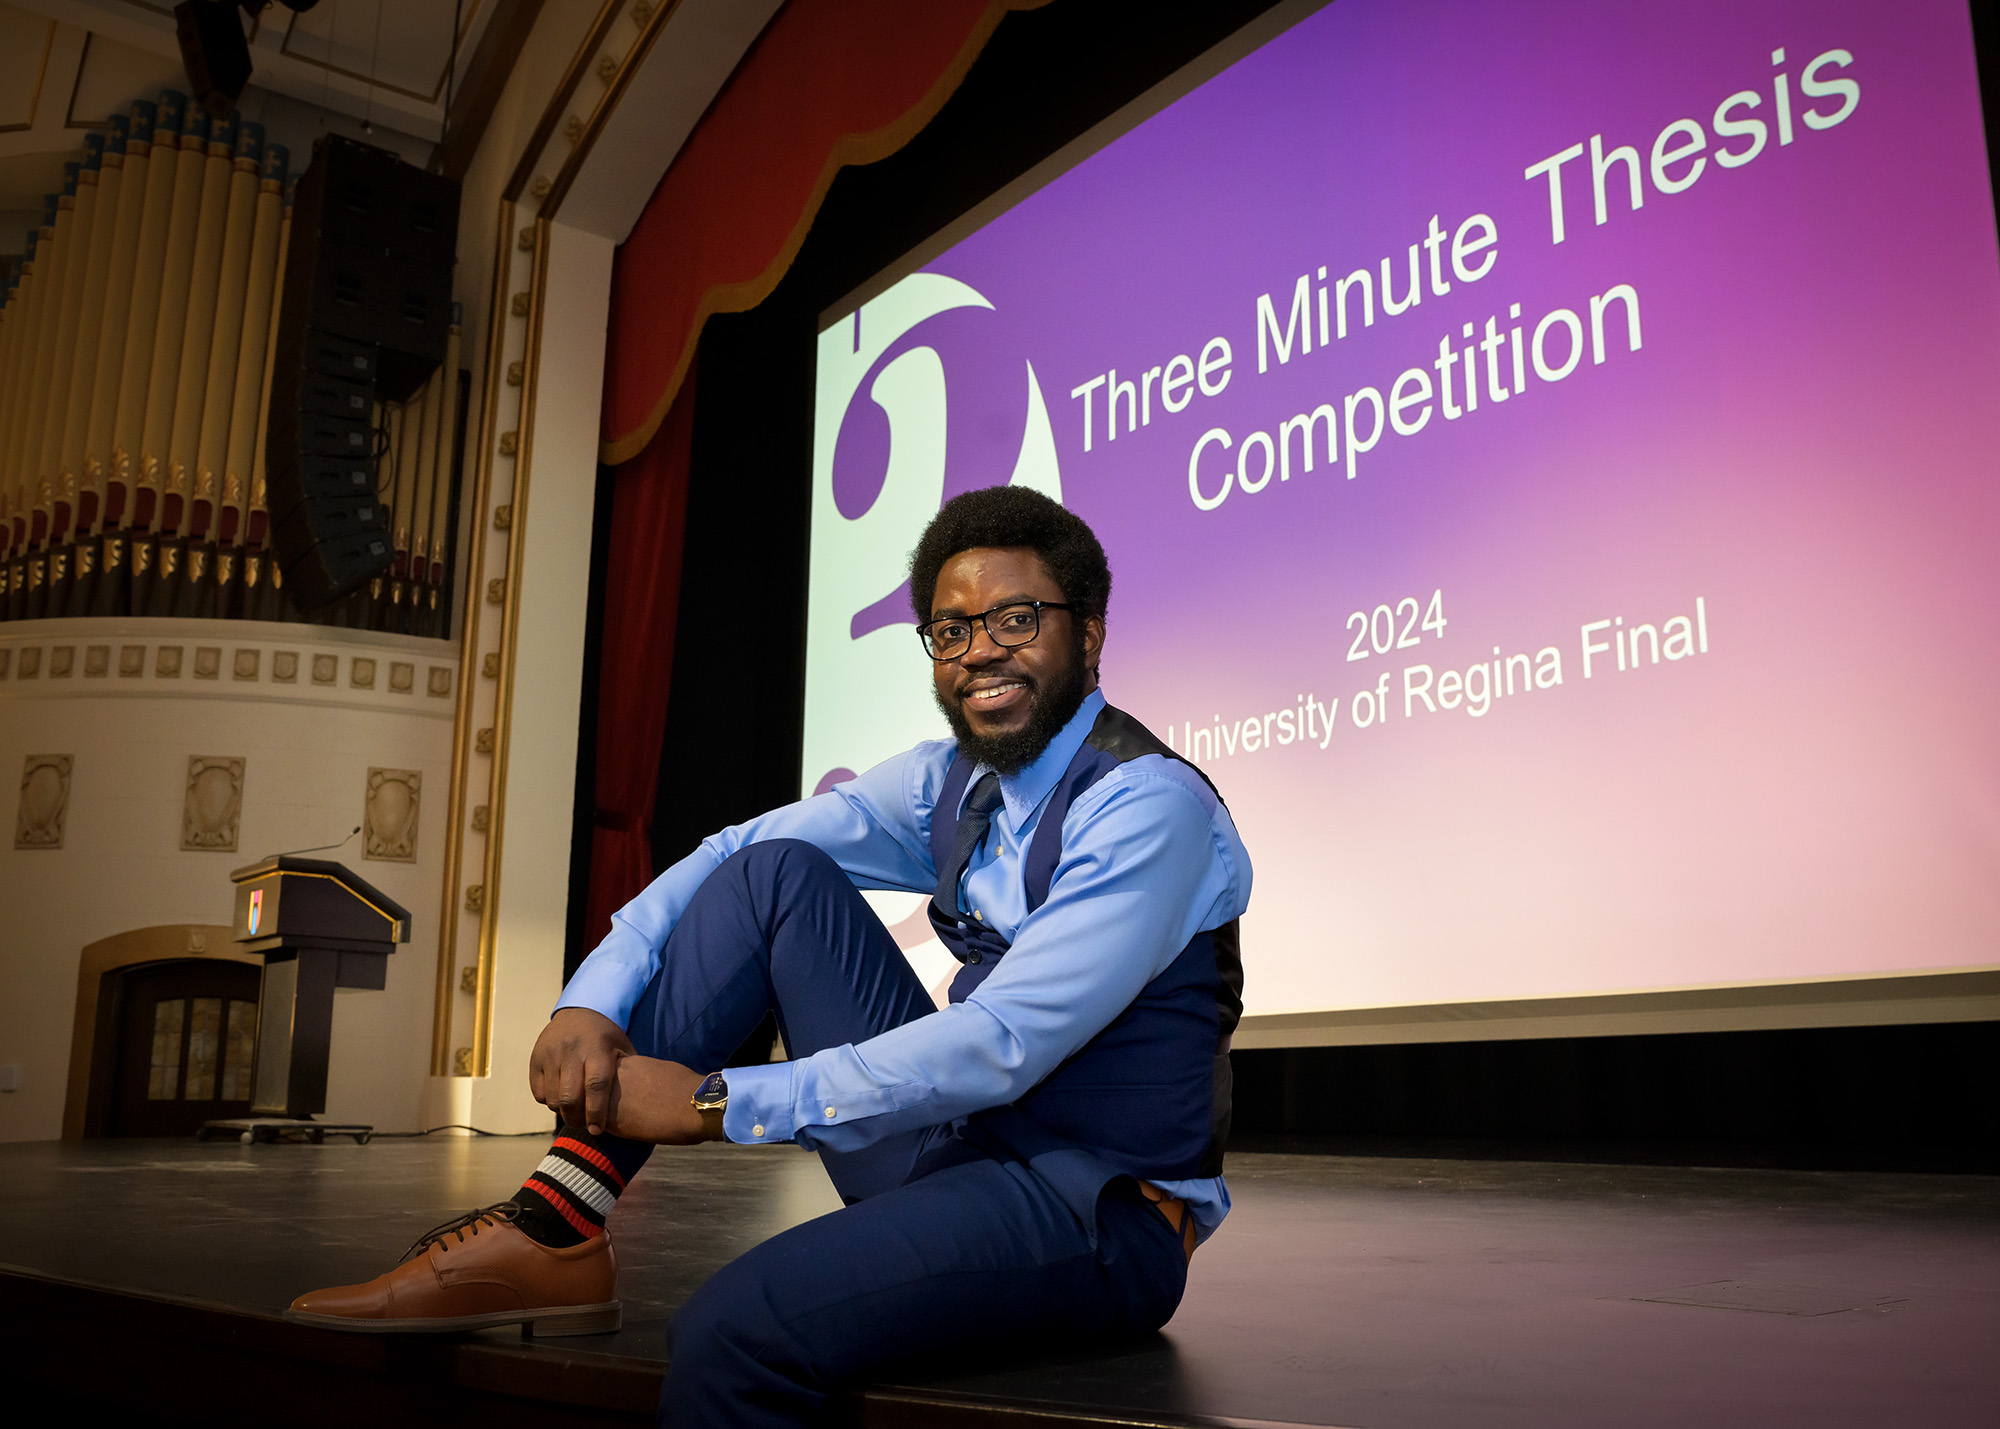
1149 1096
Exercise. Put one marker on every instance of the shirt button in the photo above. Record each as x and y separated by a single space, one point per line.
756 1131
829 1113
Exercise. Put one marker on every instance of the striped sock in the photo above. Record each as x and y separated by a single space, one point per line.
567 1198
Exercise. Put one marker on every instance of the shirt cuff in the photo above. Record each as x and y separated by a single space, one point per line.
601 990
760 1104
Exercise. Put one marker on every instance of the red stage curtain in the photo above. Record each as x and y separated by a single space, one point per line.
829 83
642 603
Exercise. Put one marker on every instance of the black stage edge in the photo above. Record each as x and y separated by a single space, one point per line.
1908 1098
1404 1293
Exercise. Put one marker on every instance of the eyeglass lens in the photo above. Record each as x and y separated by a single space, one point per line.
1009 626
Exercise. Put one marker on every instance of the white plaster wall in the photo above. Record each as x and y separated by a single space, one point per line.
529 902
308 749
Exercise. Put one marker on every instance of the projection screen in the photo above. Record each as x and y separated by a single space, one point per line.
1547 459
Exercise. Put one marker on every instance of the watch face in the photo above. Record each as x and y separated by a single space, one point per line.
713 1092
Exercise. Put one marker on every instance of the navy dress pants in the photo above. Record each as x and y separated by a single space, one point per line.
923 1264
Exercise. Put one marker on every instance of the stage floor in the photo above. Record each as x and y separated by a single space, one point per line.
1342 1291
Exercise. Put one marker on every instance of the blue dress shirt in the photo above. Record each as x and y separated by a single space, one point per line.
1150 858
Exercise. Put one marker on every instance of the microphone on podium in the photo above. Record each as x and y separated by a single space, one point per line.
321 848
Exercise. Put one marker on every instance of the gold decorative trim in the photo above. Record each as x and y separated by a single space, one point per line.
616 83
526 304
552 112
503 706
468 648
395 923
442 1051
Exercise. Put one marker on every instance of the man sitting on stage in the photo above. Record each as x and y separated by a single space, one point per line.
1035 1161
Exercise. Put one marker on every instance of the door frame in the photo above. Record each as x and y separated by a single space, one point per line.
87 1103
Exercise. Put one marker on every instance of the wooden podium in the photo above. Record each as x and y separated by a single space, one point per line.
319 927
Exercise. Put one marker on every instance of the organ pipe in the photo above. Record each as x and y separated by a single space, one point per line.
198 330
177 271
98 464
225 344
148 282
138 335
248 394
441 494
28 449
418 565
257 524
409 456
52 503
73 479
12 396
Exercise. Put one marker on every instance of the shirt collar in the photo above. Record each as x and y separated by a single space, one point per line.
1025 790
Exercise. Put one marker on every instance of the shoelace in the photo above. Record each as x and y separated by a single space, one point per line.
470 1221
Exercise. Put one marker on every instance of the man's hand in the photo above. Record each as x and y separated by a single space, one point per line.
653 1100
584 1069
575 1066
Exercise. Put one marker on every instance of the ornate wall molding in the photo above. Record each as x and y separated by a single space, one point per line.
389 815
291 664
43 811
492 445
212 810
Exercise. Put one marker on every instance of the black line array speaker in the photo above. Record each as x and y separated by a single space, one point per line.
365 315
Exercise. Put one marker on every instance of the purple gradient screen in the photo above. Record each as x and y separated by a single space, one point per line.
1687 672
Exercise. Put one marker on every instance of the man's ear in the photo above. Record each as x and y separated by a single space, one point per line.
1093 642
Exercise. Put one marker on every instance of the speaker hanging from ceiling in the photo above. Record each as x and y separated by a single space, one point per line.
214 50
364 319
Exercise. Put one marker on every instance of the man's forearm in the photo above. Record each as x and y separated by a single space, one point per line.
653 1100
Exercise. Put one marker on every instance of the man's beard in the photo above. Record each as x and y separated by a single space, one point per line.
1051 706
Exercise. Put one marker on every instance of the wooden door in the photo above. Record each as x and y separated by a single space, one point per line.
186 1040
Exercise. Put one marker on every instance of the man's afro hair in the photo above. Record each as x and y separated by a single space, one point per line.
1000 516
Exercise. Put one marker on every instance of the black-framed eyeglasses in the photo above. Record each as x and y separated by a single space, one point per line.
1011 625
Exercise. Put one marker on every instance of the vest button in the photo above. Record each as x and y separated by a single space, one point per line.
972 957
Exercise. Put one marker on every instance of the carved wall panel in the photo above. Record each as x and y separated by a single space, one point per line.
389 815
214 804
44 808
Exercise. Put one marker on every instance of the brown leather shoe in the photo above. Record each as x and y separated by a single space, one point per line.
473 1273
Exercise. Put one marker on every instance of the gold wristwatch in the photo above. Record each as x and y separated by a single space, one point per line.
711 1099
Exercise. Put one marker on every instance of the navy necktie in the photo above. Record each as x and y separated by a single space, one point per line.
972 826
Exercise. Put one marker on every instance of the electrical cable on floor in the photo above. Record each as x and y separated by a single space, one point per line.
455 1126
